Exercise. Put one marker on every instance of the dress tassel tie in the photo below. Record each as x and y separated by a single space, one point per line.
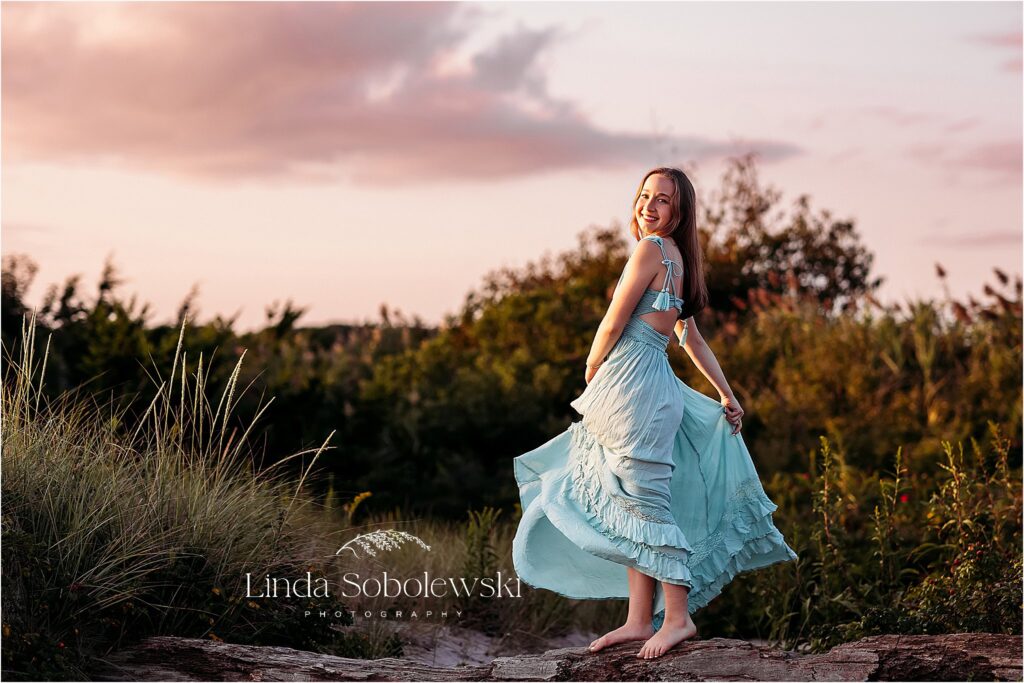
661 302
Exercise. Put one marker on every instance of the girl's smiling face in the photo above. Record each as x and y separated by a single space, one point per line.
653 209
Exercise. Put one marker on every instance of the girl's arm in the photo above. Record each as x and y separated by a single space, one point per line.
640 269
703 357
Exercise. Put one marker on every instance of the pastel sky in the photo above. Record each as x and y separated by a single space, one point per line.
347 155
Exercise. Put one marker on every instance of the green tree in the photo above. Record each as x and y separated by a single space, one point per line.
751 245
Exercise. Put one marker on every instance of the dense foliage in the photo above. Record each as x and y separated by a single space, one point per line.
130 519
429 419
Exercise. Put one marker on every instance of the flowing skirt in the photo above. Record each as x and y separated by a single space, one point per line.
651 478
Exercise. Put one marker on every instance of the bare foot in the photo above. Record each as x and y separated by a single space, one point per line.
670 634
623 634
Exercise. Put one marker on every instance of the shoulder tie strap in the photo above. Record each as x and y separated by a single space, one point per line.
663 302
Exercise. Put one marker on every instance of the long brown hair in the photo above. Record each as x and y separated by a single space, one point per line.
682 229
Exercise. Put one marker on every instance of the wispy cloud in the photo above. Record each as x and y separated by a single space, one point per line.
846 154
1001 157
19 228
961 125
367 92
993 238
899 117
1011 41
893 115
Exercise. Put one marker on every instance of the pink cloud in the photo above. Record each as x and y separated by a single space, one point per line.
962 125
846 154
1011 39
992 238
20 228
1008 39
898 116
1002 158
320 90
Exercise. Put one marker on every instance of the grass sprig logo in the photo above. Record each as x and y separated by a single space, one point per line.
386 539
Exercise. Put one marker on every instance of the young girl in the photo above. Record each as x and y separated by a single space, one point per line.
652 495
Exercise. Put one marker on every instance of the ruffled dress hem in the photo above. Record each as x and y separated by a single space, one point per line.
744 540
651 543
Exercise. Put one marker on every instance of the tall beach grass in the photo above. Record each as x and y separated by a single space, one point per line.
110 536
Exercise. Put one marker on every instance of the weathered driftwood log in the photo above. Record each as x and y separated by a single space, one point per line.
955 657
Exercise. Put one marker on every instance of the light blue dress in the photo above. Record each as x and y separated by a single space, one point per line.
651 477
